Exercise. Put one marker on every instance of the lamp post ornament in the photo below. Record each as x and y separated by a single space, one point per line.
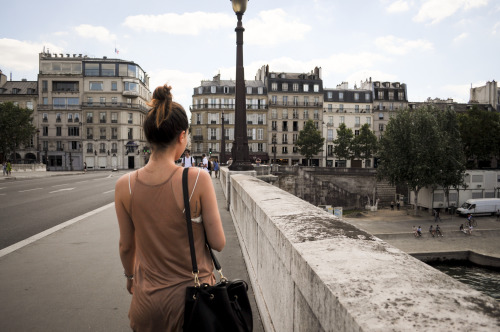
241 160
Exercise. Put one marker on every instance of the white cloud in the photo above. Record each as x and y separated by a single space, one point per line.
274 27
399 46
180 24
458 92
460 37
61 33
100 33
496 27
437 10
398 7
23 55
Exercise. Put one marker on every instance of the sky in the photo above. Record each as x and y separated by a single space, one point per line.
439 48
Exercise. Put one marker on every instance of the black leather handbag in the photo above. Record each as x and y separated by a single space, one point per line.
223 307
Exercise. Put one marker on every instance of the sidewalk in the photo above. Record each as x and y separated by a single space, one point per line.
72 279
36 174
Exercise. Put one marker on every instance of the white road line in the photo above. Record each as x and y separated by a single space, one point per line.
110 191
49 231
22 191
64 189
110 176
3 188
82 181
60 185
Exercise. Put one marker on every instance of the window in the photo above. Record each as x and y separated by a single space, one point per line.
285 139
249 90
200 90
102 133
108 69
45 86
391 95
368 108
274 125
45 100
274 100
102 117
29 105
305 87
77 117
357 121
102 147
341 96
295 100
226 89
356 108
295 113
90 133
90 101
114 133
356 132
96 86
70 117
330 95
342 119
285 114
401 95
284 87
102 101
369 120
380 95
260 90
73 131
306 101
59 146
260 134
306 114
316 114
274 114
284 126
114 117
198 119
285 100
58 117
381 127
114 148
114 86
330 120
295 87
260 147
45 145
356 96
341 108
114 100
330 135
131 118
367 97
381 116
90 147
90 117
213 89
91 69
130 133
284 149
45 131
131 86
316 87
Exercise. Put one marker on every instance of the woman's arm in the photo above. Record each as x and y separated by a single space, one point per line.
210 213
127 230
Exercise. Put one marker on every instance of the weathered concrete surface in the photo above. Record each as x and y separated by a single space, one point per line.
313 272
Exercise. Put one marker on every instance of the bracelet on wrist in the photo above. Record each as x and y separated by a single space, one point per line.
128 276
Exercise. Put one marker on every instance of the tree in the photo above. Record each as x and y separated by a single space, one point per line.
310 141
411 149
479 131
16 127
343 142
364 145
452 164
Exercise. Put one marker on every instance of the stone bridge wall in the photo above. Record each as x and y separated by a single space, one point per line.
313 272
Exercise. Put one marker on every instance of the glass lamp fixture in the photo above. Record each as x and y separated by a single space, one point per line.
239 6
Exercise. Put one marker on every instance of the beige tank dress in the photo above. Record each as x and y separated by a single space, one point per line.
163 261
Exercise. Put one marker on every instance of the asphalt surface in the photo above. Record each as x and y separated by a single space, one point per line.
70 278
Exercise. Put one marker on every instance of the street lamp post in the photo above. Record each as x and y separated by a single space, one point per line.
241 160
223 142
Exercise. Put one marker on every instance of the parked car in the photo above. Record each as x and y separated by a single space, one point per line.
479 206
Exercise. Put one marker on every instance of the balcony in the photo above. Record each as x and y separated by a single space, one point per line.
90 150
114 137
131 93
90 136
297 104
102 150
198 138
102 137
114 150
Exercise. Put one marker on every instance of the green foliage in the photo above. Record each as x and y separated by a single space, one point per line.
310 141
364 145
421 148
16 127
343 142
480 134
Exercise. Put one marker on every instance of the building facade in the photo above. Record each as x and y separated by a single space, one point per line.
486 94
388 98
25 95
294 98
352 107
214 100
91 110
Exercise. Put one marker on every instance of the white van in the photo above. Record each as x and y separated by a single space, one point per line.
479 206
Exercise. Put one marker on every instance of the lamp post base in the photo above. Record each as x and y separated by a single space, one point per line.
241 166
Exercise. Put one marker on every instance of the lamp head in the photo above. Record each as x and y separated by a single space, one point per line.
239 6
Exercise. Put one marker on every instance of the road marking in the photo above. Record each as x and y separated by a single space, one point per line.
110 176
49 231
83 181
3 188
110 191
60 185
64 189
22 191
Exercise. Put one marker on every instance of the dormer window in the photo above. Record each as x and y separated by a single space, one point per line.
249 90
226 89
213 89
200 90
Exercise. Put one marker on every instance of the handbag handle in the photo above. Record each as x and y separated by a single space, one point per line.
187 210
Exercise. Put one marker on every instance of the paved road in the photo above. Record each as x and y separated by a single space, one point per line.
30 206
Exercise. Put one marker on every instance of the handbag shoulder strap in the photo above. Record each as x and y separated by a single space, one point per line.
187 210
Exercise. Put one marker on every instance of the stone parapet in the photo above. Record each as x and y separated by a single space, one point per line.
313 272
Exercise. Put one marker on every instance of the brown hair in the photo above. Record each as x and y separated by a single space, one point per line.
166 119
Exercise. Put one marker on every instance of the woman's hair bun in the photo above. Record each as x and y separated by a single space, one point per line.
162 92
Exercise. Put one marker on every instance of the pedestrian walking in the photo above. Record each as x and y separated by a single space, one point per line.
431 230
154 246
4 168
216 169
436 215
419 231
9 168
398 204
84 167
204 163
187 160
438 231
392 205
